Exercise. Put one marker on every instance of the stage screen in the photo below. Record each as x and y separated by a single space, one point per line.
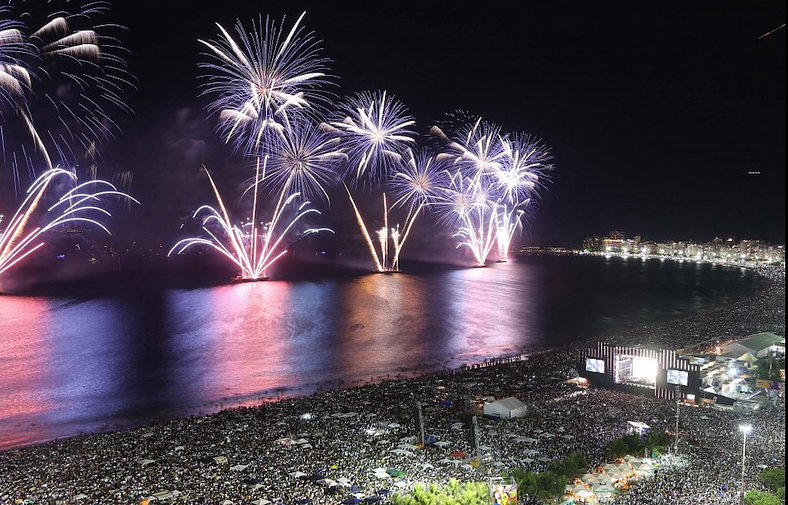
595 365
636 370
678 377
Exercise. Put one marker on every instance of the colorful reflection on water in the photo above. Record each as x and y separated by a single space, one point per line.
70 366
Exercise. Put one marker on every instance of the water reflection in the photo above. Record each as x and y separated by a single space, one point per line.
24 367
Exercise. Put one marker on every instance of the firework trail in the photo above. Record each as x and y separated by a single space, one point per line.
260 81
61 76
252 247
76 205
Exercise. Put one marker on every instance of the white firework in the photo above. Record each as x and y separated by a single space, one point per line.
376 129
259 78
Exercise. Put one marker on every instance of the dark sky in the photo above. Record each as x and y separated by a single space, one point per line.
655 111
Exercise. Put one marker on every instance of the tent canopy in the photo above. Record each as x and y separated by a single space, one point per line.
505 408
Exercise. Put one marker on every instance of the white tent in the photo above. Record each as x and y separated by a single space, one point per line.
505 408
637 427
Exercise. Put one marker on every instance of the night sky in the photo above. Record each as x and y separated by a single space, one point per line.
655 111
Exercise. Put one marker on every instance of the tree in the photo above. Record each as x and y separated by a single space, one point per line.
773 478
761 498
573 466
454 493
629 444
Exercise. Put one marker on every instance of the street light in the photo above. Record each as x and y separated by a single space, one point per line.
746 429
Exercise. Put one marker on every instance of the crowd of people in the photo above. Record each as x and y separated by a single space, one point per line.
360 443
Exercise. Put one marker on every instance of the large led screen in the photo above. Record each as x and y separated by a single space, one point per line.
595 365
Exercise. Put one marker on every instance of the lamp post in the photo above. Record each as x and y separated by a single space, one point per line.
676 433
745 429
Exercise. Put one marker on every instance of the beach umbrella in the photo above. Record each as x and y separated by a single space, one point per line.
603 478
352 501
624 469
589 478
458 455
261 501
584 493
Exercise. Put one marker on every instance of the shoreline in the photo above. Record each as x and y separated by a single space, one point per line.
772 279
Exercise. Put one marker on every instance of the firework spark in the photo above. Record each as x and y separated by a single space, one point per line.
252 247
20 239
257 79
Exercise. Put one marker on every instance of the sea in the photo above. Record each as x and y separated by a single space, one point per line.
77 363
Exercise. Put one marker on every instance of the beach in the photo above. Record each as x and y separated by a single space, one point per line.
333 444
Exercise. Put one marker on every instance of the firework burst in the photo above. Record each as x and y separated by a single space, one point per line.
253 247
78 204
61 77
495 177
258 79
305 159
376 128
519 179
465 205
476 148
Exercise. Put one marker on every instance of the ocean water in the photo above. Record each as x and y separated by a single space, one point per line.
87 363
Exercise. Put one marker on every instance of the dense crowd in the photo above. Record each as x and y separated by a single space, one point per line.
360 442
